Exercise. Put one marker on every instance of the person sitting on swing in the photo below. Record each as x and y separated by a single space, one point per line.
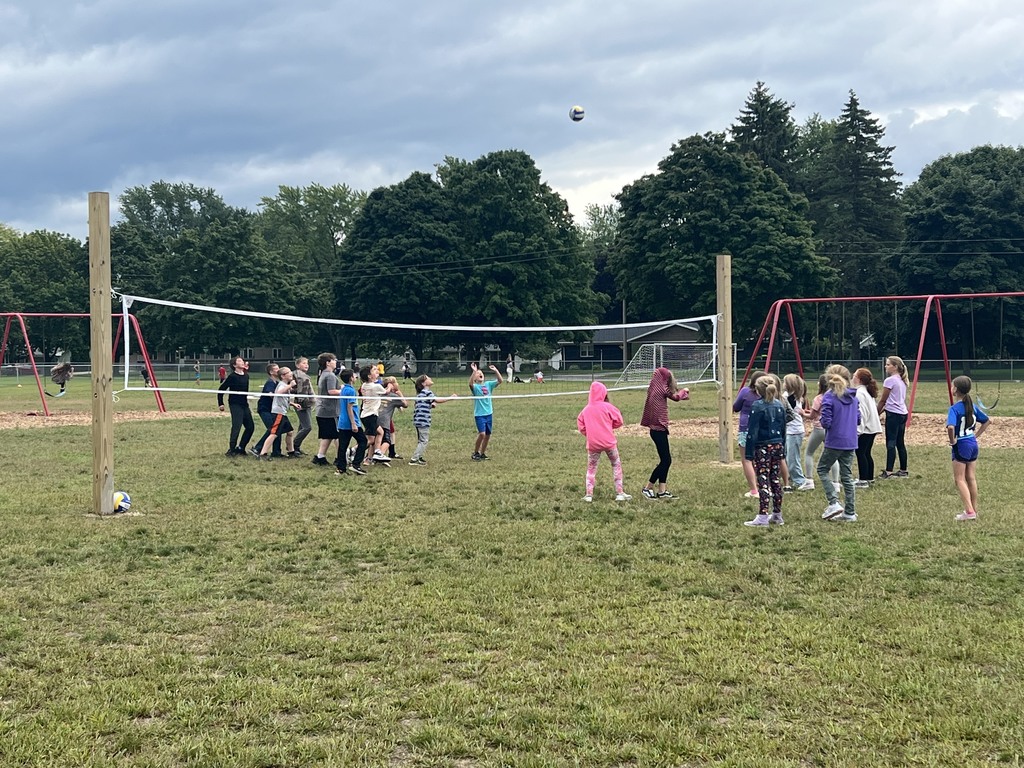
61 373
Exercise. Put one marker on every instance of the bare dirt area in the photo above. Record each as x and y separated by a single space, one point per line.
30 419
924 429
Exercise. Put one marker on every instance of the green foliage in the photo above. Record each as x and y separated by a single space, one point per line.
303 228
598 235
707 198
965 234
46 272
185 244
765 129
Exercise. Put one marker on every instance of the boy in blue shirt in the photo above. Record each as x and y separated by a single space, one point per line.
483 408
350 426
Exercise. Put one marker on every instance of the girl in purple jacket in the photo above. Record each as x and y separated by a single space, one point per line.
840 416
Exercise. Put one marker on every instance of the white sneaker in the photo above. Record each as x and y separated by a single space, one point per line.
751 495
965 516
761 521
832 510
622 497
379 456
807 485
588 499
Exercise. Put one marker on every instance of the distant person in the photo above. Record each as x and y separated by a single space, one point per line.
196 372
510 367
538 376
145 376
406 370
745 398
61 374
304 403
237 386
598 422
964 424
221 373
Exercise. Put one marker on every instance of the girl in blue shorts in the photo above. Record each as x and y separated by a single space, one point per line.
964 426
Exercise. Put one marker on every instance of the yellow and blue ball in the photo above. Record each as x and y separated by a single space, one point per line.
576 113
122 502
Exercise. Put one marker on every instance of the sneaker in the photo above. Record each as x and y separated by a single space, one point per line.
886 475
254 452
588 499
396 456
649 493
414 462
357 470
761 521
776 520
232 452
320 461
422 461
751 495
787 489
381 457
666 496
846 518
477 456
902 473
832 510
622 497
808 485
297 453
965 516
484 457
265 457
861 484
382 463
339 471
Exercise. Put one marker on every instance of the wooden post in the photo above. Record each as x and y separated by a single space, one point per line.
723 278
100 354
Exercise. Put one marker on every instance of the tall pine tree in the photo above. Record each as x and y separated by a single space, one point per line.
765 128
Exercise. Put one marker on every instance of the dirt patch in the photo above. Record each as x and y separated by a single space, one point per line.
30 419
924 429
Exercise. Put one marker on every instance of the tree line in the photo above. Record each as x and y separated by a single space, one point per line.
806 210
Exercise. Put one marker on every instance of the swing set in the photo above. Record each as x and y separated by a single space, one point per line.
19 317
932 302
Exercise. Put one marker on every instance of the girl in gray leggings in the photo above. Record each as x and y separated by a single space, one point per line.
817 438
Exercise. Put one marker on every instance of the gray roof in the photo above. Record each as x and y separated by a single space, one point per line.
637 333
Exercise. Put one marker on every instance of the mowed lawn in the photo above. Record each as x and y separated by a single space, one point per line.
481 614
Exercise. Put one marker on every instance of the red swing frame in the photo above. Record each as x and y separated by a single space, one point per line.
931 300
20 317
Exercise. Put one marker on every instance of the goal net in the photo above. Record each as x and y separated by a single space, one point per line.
690 363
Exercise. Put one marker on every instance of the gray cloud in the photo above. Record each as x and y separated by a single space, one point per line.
243 97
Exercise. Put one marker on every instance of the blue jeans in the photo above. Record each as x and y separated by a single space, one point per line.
830 456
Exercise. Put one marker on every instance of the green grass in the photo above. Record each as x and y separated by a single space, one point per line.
481 614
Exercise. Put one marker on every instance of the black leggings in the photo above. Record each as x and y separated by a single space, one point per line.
660 473
865 462
895 433
241 421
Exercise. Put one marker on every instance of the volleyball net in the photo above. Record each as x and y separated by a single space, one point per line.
533 361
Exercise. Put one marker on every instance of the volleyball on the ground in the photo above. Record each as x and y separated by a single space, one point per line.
122 502
576 113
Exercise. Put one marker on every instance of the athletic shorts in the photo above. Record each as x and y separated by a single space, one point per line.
280 425
370 426
965 451
326 428
485 423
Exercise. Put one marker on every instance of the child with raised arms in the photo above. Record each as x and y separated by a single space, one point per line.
964 424
597 422
483 408
663 387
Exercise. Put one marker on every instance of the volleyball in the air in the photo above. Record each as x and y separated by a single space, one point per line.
122 502
576 113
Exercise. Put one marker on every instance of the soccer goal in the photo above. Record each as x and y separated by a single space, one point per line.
690 362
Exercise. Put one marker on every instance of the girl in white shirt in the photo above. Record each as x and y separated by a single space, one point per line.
870 425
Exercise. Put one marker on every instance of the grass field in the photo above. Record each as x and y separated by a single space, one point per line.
480 614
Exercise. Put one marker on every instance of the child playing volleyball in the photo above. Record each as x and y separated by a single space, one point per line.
964 426
598 422
840 416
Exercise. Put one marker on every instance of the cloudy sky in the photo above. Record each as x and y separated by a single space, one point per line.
245 96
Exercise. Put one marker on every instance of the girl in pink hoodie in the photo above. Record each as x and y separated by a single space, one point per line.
598 422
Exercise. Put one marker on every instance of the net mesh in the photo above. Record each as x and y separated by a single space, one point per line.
690 363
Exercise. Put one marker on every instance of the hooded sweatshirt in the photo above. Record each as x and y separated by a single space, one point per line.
839 418
599 420
656 407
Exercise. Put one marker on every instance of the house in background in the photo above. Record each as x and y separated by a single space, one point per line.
605 348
